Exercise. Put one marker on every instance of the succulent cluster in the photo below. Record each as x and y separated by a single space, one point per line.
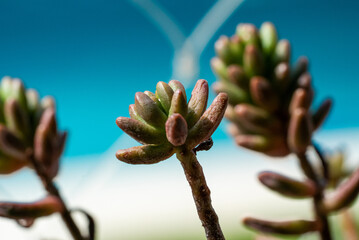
28 132
165 123
27 124
269 100
344 186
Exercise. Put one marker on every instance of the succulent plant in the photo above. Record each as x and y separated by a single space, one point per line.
269 111
269 101
27 124
166 124
29 138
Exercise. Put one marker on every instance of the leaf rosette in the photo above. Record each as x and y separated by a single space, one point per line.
27 124
269 100
165 123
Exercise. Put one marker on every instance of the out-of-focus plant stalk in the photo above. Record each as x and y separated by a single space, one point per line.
320 214
52 190
29 137
201 194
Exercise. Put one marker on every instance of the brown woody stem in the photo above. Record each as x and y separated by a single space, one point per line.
51 189
201 194
320 215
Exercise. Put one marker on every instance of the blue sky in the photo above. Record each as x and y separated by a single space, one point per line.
94 55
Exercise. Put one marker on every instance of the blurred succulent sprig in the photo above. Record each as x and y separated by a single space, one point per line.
29 137
269 111
269 100
166 124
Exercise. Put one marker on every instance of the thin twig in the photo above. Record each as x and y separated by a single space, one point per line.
201 194
51 189
320 215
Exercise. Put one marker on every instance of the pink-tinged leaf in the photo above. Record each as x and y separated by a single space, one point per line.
208 122
176 129
198 102
146 154
140 131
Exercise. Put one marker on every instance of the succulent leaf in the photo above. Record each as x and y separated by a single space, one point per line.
140 131
44 207
145 154
300 131
164 94
198 102
208 122
295 227
287 186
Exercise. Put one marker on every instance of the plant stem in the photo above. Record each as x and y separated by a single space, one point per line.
51 189
322 160
201 194
320 215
